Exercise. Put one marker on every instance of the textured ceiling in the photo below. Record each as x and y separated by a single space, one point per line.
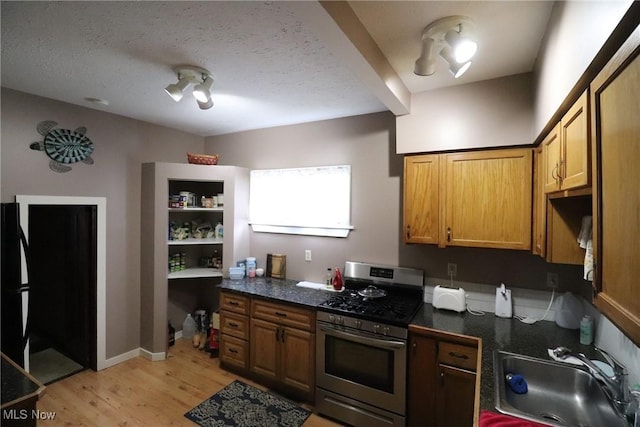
270 64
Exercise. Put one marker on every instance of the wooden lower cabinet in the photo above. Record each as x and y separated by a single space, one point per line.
455 396
442 384
234 332
270 342
421 397
282 347
265 347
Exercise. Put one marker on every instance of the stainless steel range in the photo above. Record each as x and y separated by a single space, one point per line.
362 345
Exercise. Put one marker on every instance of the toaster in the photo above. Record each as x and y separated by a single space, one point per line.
449 299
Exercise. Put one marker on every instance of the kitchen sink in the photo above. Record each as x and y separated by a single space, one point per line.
558 394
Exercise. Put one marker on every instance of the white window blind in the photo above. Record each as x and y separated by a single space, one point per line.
312 201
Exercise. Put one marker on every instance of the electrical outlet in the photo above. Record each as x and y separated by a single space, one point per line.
452 269
307 255
552 280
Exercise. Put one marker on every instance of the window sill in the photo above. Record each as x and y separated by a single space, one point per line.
303 231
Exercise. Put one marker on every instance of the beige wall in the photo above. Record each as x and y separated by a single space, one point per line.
121 145
575 33
491 113
368 144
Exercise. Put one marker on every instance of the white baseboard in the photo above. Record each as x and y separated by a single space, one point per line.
121 358
154 357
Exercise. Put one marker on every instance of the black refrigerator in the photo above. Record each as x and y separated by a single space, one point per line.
15 332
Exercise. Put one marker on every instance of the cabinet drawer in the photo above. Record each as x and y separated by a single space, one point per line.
284 315
234 351
457 355
233 324
235 303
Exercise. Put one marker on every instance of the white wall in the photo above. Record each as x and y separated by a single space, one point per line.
121 145
576 32
491 113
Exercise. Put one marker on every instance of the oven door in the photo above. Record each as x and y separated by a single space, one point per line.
362 365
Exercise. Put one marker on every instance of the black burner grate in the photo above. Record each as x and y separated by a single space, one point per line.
397 309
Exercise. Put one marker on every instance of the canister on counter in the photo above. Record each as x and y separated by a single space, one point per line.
586 330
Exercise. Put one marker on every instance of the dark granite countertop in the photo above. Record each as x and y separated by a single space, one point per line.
280 290
17 385
500 334
496 333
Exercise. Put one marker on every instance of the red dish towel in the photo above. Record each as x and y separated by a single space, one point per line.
493 419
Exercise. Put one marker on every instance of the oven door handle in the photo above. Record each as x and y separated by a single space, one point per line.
363 340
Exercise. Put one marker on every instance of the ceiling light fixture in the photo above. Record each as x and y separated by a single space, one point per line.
190 75
451 39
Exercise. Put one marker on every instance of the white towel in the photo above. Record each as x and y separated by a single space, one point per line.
585 232
588 261
312 285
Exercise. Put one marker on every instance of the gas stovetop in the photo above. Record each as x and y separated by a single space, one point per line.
392 309
403 288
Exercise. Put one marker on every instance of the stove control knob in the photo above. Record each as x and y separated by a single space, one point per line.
341 320
385 330
332 318
376 328
358 324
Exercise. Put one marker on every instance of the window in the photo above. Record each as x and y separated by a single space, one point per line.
312 201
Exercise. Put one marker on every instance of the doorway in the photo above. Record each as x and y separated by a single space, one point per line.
67 236
62 335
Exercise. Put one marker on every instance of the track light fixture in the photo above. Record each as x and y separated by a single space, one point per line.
451 39
200 78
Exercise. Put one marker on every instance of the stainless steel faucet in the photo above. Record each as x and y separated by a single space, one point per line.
616 386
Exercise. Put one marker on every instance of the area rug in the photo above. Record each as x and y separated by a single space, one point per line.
242 405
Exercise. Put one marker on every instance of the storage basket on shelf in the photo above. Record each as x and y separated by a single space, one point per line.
203 159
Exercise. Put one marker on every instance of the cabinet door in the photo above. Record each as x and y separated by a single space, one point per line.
551 149
539 204
616 134
421 389
421 190
297 359
488 199
455 396
575 168
264 348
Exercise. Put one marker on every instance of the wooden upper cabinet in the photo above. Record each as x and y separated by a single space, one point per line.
421 192
550 166
539 234
488 199
567 150
616 145
576 167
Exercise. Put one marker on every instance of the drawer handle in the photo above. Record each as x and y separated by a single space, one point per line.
234 303
281 314
458 355
231 350
233 324
408 231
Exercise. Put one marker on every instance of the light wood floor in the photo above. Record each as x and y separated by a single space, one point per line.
139 392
